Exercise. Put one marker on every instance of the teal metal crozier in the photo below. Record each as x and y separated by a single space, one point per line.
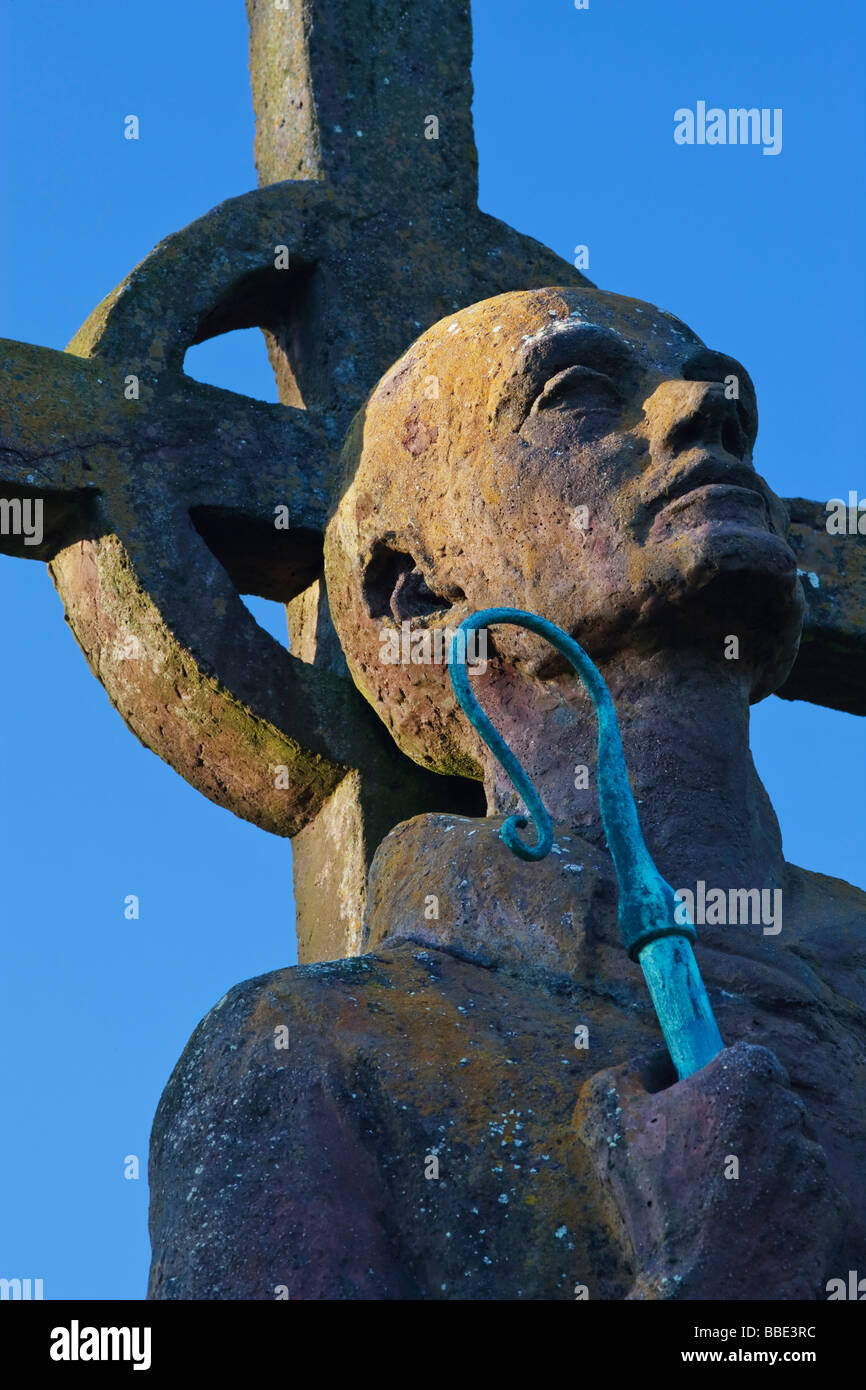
650 932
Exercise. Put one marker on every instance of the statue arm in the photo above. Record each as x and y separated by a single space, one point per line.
259 1166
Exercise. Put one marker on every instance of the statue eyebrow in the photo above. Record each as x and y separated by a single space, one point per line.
563 345
543 354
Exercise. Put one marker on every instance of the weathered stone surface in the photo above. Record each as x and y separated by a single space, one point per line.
471 463
343 91
831 664
477 485
304 1167
156 613
451 882
384 237
698 1226
332 853
547 402
191 506
467 467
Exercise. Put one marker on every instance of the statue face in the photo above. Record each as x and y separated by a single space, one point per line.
570 452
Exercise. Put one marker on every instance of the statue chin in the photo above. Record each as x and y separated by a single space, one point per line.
727 579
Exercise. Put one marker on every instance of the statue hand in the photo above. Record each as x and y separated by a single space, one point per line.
720 1183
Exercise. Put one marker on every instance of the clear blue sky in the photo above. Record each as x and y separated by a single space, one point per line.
762 256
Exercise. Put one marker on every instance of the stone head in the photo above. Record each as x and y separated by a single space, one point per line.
570 452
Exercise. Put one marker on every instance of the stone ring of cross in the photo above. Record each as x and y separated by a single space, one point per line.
165 499
168 498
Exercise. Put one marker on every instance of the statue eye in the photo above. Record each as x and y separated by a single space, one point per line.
579 390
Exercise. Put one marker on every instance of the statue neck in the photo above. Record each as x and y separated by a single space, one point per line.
685 731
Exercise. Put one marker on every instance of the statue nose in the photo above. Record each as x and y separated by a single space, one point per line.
688 414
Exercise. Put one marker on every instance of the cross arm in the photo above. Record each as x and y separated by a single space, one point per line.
831 665
41 460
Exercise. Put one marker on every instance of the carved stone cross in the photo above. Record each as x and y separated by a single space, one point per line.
163 499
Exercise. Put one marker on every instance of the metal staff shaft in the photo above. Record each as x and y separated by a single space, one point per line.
651 932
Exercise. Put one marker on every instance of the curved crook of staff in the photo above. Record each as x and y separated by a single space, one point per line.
655 929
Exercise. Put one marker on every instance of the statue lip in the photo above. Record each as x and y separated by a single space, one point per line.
713 476
717 502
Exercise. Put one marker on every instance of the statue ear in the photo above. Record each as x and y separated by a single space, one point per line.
394 586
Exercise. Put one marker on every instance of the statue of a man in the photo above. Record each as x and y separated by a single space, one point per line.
477 1106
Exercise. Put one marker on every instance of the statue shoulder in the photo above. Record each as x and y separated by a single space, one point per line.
825 919
269 1016
263 1182
817 902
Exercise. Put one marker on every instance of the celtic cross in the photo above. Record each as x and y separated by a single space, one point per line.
164 499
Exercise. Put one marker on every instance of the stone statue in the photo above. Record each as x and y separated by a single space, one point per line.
451 1113
460 1092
